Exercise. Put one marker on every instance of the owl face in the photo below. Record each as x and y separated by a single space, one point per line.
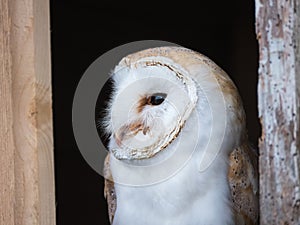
150 104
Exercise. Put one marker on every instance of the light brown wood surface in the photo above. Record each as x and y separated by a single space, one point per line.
7 178
278 33
26 140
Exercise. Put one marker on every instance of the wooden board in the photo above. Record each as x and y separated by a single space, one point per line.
26 140
278 33
7 178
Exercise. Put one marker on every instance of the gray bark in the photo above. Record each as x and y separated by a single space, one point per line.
278 34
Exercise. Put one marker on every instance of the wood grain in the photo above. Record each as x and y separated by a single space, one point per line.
278 33
7 178
29 80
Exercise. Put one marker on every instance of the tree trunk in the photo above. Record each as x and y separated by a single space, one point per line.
278 33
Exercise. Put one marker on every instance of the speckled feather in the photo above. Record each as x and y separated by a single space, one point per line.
109 190
242 179
242 173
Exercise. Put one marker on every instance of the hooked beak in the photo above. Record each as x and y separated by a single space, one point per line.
129 130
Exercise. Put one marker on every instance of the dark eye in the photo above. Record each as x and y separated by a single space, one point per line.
157 99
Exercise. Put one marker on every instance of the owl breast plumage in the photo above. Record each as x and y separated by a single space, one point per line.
178 150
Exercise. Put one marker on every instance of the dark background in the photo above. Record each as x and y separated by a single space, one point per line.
83 30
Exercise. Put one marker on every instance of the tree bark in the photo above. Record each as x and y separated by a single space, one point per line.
278 33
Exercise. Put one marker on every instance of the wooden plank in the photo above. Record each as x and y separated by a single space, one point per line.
278 33
31 112
6 121
44 112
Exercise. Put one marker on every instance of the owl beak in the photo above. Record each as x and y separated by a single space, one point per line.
129 130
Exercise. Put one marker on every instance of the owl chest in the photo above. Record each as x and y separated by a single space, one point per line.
183 199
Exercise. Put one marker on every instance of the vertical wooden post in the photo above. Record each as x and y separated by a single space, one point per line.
7 178
278 33
26 141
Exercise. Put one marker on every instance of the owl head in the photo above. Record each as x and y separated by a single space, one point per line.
156 91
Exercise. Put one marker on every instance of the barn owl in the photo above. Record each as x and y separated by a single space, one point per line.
178 148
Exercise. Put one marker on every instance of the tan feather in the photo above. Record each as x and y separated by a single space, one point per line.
109 190
242 177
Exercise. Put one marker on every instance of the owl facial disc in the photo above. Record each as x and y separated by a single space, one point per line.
155 116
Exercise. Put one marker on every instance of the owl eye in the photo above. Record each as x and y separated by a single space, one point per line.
157 99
